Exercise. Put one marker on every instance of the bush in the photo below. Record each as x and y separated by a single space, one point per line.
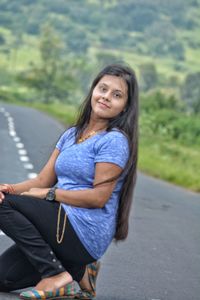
156 100
169 124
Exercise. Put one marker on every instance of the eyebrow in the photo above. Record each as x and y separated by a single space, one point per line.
114 90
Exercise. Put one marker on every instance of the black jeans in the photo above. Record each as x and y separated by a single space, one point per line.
31 223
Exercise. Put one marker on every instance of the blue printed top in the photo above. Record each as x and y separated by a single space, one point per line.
75 170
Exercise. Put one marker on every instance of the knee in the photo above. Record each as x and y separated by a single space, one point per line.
4 288
4 283
4 201
7 203
7 282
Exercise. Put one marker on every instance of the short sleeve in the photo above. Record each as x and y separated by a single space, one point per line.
113 147
63 138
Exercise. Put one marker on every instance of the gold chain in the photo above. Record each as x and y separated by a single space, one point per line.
91 133
60 239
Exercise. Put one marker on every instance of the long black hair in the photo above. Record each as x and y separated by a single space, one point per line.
127 123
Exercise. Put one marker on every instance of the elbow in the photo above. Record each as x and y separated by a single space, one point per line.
100 198
101 201
101 205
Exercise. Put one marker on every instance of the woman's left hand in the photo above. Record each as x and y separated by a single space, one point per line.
36 192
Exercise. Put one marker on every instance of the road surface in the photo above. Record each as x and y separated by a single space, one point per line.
160 259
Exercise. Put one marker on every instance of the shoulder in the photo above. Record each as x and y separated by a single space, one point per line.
65 136
112 139
115 135
112 147
68 132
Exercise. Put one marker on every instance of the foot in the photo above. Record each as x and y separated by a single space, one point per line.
85 282
54 282
88 282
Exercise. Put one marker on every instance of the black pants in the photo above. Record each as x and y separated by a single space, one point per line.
31 223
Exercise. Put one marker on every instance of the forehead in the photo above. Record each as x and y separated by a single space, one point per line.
114 82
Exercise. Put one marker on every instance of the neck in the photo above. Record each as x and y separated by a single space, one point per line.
96 124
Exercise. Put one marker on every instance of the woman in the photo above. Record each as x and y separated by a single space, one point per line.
63 221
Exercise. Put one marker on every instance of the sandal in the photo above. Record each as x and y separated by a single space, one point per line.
68 291
93 270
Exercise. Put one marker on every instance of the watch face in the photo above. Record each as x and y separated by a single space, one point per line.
51 195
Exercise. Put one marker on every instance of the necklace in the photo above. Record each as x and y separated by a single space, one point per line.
58 237
91 133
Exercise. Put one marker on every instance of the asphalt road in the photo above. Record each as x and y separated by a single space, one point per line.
160 259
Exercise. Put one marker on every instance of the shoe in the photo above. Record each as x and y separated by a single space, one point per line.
93 270
66 292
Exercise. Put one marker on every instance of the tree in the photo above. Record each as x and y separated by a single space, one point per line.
190 92
2 39
51 78
148 76
107 58
76 40
50 46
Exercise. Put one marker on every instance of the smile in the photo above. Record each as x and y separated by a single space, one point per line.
103 105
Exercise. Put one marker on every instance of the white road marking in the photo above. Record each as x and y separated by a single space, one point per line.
21 150
16 139
19 145
12 133
24 158
2 233
28 166
10 120
32 175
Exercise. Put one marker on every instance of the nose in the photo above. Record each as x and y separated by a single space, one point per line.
106 96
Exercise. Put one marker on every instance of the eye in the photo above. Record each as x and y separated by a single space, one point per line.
117 95
102 88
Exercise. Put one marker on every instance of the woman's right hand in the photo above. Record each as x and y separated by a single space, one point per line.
3 189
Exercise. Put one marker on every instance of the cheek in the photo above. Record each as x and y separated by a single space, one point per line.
95 96
120 106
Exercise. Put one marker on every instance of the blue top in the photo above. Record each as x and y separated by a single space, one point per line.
75 170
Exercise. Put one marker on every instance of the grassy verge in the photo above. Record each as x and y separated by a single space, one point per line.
163 159
170 161
65 114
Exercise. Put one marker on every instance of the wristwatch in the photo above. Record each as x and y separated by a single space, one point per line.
51 195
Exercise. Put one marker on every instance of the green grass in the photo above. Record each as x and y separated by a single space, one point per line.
170 161
65 114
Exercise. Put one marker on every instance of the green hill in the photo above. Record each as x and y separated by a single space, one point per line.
167 33
49 51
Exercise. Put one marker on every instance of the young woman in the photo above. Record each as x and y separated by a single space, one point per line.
63 221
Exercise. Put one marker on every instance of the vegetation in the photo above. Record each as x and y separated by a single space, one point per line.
50 50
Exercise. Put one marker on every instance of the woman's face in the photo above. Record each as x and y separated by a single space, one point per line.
109 97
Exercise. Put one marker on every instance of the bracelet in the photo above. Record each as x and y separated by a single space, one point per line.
9 187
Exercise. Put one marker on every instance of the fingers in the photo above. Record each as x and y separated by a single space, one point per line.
25 193
6 188
2 196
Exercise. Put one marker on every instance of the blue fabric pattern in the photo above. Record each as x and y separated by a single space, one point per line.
75 170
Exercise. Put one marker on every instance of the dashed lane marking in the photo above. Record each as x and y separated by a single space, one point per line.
23 157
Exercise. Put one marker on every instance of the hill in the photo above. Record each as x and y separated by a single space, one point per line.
49 51
167 33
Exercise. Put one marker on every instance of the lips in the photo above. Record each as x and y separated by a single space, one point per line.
104 105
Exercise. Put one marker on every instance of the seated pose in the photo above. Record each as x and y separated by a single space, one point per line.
63 220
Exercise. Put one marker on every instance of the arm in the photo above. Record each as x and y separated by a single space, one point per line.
112 153
97 196
88 198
